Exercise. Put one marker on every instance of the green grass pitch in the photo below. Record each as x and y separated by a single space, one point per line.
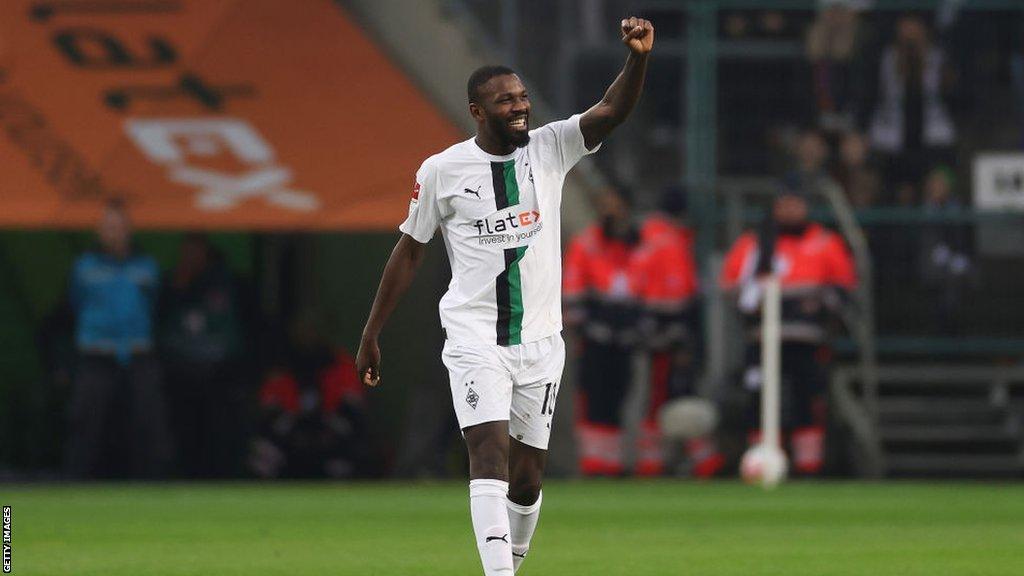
586 528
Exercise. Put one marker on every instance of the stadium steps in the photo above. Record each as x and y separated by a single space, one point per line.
950 431
936 420
939 410
949 434
958 464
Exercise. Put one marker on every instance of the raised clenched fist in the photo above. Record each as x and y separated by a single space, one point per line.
638 34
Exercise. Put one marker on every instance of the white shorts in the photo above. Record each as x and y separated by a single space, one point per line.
517 383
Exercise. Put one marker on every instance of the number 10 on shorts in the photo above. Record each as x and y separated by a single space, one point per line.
550 392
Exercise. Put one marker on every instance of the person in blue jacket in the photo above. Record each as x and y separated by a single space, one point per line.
117 423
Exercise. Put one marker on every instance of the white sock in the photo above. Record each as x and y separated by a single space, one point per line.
523 521
490 524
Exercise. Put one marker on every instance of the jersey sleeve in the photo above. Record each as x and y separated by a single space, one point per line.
567 139
424 209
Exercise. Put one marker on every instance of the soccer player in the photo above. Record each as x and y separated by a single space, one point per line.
496 198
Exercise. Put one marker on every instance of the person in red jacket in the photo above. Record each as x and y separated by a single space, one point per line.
816 272
312 413
669 292
600 293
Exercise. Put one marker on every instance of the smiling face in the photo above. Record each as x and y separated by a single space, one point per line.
502 111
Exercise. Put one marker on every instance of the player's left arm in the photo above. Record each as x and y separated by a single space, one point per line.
623 94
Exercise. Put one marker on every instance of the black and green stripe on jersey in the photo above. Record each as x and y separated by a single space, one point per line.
509 285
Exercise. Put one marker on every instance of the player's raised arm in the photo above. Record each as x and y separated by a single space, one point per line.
623 94
398 273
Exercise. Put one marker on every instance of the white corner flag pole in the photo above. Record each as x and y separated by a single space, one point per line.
770 367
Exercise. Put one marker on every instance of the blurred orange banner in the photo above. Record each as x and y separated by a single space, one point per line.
205 114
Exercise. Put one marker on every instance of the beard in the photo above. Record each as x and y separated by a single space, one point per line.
508 136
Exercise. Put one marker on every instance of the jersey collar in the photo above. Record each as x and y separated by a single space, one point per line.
491 157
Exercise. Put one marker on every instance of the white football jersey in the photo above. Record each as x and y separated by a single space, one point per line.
499 217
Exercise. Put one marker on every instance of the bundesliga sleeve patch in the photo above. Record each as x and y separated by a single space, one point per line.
416 191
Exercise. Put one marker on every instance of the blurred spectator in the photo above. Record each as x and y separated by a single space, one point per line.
856 173
833 45
747 23
669 296
600 293
912 124
668 279
201 342
945 260
117 407
810 174
312 412
815 269
774 23
736 24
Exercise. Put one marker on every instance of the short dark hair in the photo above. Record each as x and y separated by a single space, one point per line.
481 76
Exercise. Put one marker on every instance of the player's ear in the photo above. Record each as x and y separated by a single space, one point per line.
476 111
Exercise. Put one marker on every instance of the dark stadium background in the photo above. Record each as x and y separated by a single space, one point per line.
281 138
930 379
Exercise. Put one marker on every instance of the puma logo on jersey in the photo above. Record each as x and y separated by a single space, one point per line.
473 192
